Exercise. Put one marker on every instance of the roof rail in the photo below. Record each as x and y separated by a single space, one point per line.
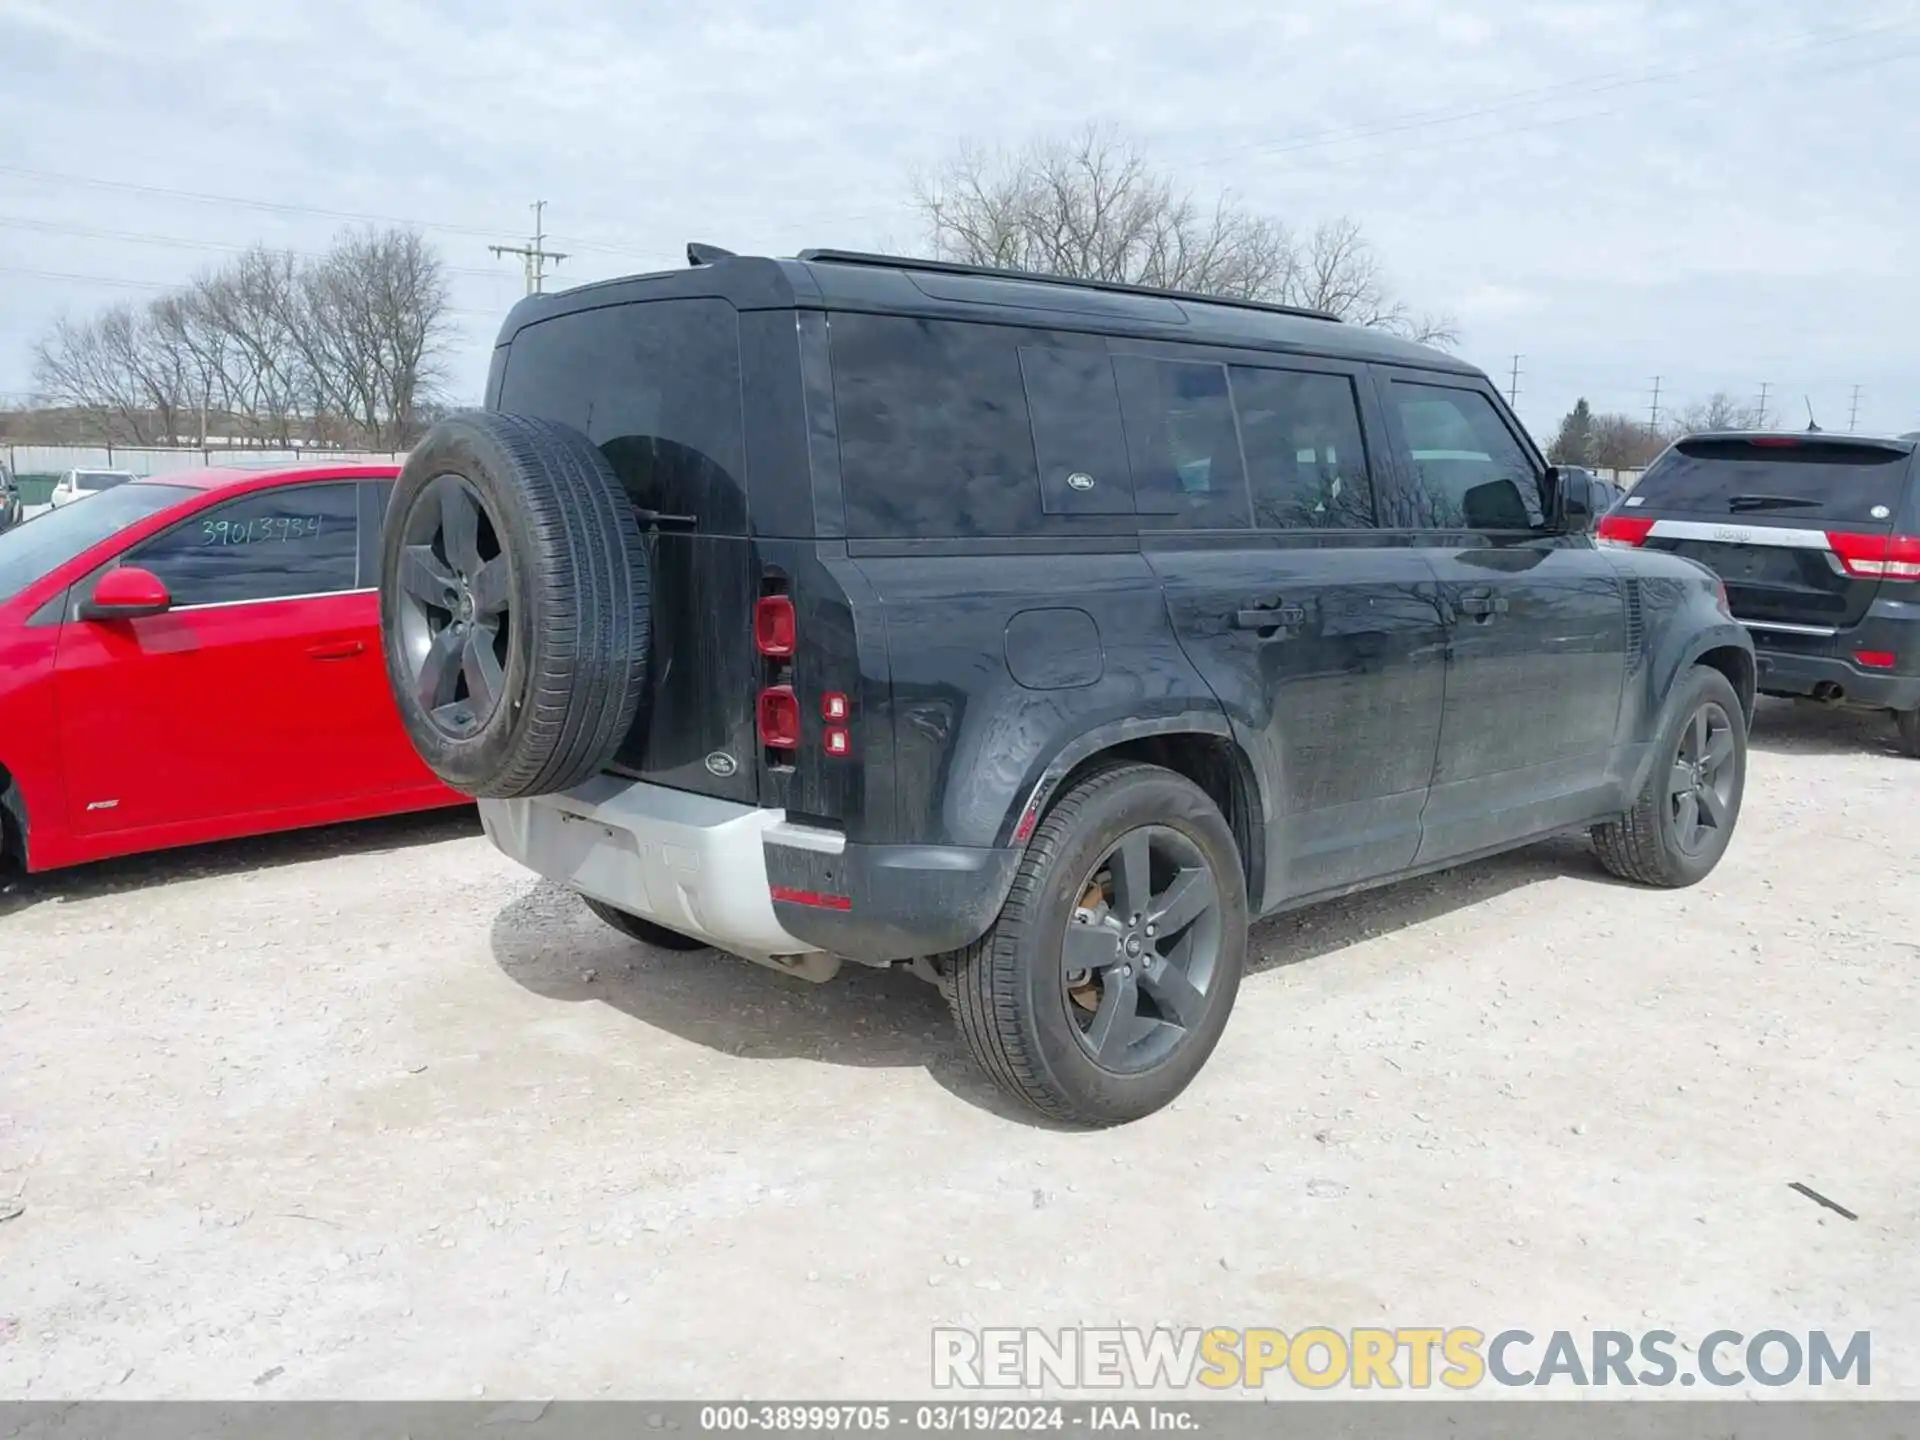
992 272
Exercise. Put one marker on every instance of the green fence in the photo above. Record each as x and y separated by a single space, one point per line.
37 489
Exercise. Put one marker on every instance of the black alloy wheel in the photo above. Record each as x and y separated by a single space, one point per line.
455 606
1140 949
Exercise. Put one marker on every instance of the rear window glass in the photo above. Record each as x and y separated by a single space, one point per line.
1785 477
656 385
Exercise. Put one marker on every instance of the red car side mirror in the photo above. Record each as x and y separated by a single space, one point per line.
126 593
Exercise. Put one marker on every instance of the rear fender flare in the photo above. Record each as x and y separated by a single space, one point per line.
1020 822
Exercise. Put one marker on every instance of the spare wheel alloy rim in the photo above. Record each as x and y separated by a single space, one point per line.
455 607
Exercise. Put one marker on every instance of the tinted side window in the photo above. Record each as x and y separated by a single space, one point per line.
934 432
295 540
1466 469
656 385
1077 436
1306 459
1187 470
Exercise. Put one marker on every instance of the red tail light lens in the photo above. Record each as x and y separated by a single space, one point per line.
837 740
834 706
1876 557
779 715
773 625
1624 529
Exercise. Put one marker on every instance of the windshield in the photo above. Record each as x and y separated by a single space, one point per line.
100 479
53 537
1784 477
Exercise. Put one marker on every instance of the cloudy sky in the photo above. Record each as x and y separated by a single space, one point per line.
1721 194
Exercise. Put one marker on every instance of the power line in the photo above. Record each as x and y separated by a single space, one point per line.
160 285
15 222
534 252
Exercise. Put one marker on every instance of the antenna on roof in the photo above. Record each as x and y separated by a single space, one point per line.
1813 426
698 254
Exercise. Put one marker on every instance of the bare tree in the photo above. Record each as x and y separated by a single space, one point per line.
266 350
1093 207
1620 442
87 365
1719 411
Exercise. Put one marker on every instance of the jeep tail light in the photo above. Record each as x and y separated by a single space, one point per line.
773 625
779 715
834 706
837 740
1624 529
1876 557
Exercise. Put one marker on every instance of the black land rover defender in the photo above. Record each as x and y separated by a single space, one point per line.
1038 635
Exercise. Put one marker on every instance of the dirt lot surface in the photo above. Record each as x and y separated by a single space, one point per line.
372 1113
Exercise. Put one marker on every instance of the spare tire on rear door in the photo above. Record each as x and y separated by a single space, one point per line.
513 605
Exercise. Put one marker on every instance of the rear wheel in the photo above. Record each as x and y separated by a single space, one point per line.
1682 821
1108 978
644 931
1908 724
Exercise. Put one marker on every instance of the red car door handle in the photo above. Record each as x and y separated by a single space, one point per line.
337 649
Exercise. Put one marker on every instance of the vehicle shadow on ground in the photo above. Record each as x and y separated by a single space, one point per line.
1802 727
548 942
18 891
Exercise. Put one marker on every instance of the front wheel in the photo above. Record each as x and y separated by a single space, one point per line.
1683 819
1108 978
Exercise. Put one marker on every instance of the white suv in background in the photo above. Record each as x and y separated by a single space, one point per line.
77 484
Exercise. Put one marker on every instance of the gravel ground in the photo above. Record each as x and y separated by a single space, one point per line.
372 1113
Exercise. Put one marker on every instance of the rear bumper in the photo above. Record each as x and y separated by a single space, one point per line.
710 868
1787 673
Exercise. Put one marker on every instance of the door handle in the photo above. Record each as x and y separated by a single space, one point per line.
1483 607
336 650
1270 617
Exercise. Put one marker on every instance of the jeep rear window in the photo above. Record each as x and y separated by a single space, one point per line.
656 385
1783 476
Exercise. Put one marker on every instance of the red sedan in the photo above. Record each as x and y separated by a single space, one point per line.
197 657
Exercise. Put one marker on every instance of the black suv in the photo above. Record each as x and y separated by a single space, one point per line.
1817 538
1036 635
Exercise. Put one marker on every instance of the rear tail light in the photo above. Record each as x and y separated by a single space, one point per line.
837 740
773 626
1876 659
1624 529
779 715
1876 557
834 706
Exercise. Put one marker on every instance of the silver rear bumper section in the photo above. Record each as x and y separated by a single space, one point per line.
689 862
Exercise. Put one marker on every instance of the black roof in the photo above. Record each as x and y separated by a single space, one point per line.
896 285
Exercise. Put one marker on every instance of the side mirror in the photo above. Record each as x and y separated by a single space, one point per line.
126 593
1572 494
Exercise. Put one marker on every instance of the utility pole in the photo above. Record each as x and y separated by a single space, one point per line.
534 252
1653 415
1513 385
1764 387
1853 415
